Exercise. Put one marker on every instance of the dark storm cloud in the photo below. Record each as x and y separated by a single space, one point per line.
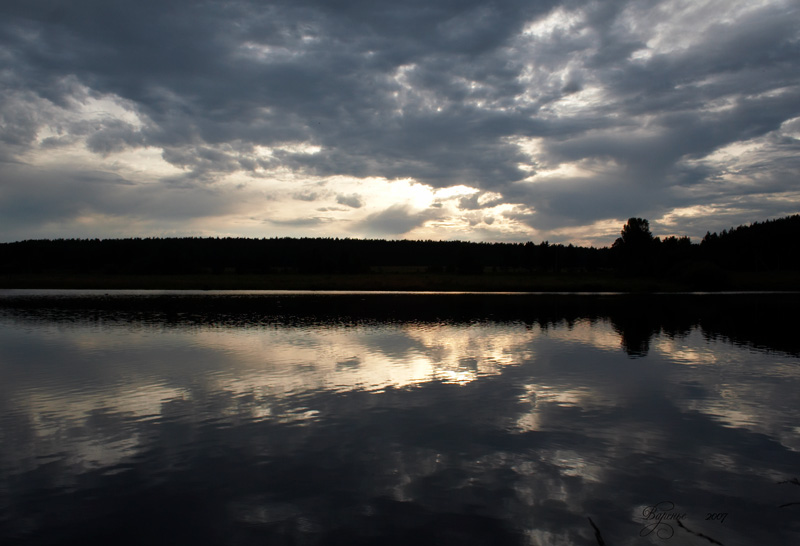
114 137
438 92
287 72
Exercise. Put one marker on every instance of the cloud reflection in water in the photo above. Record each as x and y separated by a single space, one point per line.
440 432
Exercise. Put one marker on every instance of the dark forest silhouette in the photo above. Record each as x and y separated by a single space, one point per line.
760 247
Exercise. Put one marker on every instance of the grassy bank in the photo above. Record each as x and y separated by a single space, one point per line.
406 282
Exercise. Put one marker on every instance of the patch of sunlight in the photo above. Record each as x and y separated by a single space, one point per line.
558 20
454 191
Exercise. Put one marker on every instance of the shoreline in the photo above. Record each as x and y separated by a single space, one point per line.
780 281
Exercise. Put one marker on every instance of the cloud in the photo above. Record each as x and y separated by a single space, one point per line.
305 196
114 137
479 200
575 111
300 222
396 220
33 202
354 200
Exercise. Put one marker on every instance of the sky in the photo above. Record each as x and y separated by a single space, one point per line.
511 120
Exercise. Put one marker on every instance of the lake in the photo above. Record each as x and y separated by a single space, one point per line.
363 418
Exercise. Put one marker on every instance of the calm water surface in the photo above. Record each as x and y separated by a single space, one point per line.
355 419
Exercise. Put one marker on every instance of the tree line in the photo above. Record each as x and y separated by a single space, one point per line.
761 246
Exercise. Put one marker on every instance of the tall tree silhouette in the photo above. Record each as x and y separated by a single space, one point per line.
635 245
636 234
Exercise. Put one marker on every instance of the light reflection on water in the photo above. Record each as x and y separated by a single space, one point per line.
468 432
